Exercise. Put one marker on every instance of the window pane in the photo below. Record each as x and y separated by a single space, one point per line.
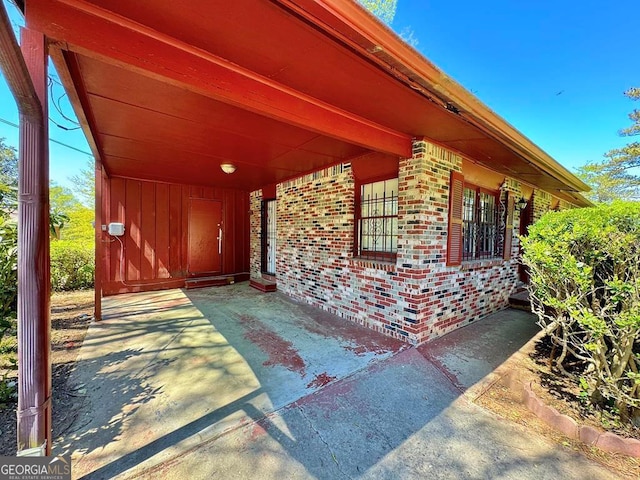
468 224
377 189
378 228
469 204
487 225
480 224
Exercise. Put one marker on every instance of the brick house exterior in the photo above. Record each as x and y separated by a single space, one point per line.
395 187
415 298
196 121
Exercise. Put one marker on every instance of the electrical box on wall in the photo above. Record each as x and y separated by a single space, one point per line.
116 229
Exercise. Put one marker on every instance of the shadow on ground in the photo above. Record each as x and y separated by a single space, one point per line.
233 383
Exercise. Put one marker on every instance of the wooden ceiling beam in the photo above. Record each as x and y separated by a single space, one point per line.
65 64
89 30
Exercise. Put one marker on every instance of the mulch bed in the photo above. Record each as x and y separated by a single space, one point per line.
563 394
71 314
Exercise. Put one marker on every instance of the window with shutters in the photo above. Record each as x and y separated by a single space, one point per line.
377 219
475 230
479 224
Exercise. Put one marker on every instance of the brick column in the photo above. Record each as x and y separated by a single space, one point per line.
514 188
255 232
540 204
423 206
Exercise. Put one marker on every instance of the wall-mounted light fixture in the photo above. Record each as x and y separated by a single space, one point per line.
521 204
228 168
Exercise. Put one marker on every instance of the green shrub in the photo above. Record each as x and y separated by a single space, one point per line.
584 267
8 390
79 227
8 273
72 265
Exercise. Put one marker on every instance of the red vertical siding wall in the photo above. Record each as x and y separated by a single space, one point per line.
156 236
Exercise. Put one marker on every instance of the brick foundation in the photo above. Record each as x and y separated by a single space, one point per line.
417 297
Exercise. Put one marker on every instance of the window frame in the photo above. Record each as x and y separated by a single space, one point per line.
480 253
372 254
264 239
506 212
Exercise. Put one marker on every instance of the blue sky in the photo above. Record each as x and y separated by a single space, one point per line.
554 70
64 162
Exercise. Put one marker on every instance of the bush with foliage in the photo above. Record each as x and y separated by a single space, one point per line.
72 265
72 249
584 266
8 238
8 273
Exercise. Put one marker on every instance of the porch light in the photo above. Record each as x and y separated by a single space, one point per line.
521 204
228 167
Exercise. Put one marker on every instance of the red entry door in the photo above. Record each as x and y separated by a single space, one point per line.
205 236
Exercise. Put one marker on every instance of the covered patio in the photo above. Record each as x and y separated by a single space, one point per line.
231 383
278 92
166 371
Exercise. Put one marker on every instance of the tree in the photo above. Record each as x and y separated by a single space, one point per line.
71 217
607 186
84 184
61 203
8 236
62 199
634 94
8 163
385 10
8 273
8 178
72 257
616 176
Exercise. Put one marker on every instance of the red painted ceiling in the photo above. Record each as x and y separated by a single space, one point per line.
147 128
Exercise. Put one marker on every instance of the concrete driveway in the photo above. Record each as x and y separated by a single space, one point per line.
232 383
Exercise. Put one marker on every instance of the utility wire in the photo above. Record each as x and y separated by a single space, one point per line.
56 103
2 120
68 129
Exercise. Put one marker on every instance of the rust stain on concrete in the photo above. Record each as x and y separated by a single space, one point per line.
278 350
321 380
257 431
357 339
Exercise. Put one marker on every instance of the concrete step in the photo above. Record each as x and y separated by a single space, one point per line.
215 281
263 284
520 300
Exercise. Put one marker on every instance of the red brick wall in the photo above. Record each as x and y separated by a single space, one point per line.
415 298
255 229
540 203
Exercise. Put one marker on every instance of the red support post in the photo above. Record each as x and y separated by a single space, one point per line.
34 346
99 248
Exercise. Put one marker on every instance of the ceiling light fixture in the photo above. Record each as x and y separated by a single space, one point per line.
228 168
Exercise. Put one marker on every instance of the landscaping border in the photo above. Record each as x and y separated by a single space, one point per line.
607 441
504 374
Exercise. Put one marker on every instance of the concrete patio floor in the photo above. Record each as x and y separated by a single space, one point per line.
165 370
233 383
